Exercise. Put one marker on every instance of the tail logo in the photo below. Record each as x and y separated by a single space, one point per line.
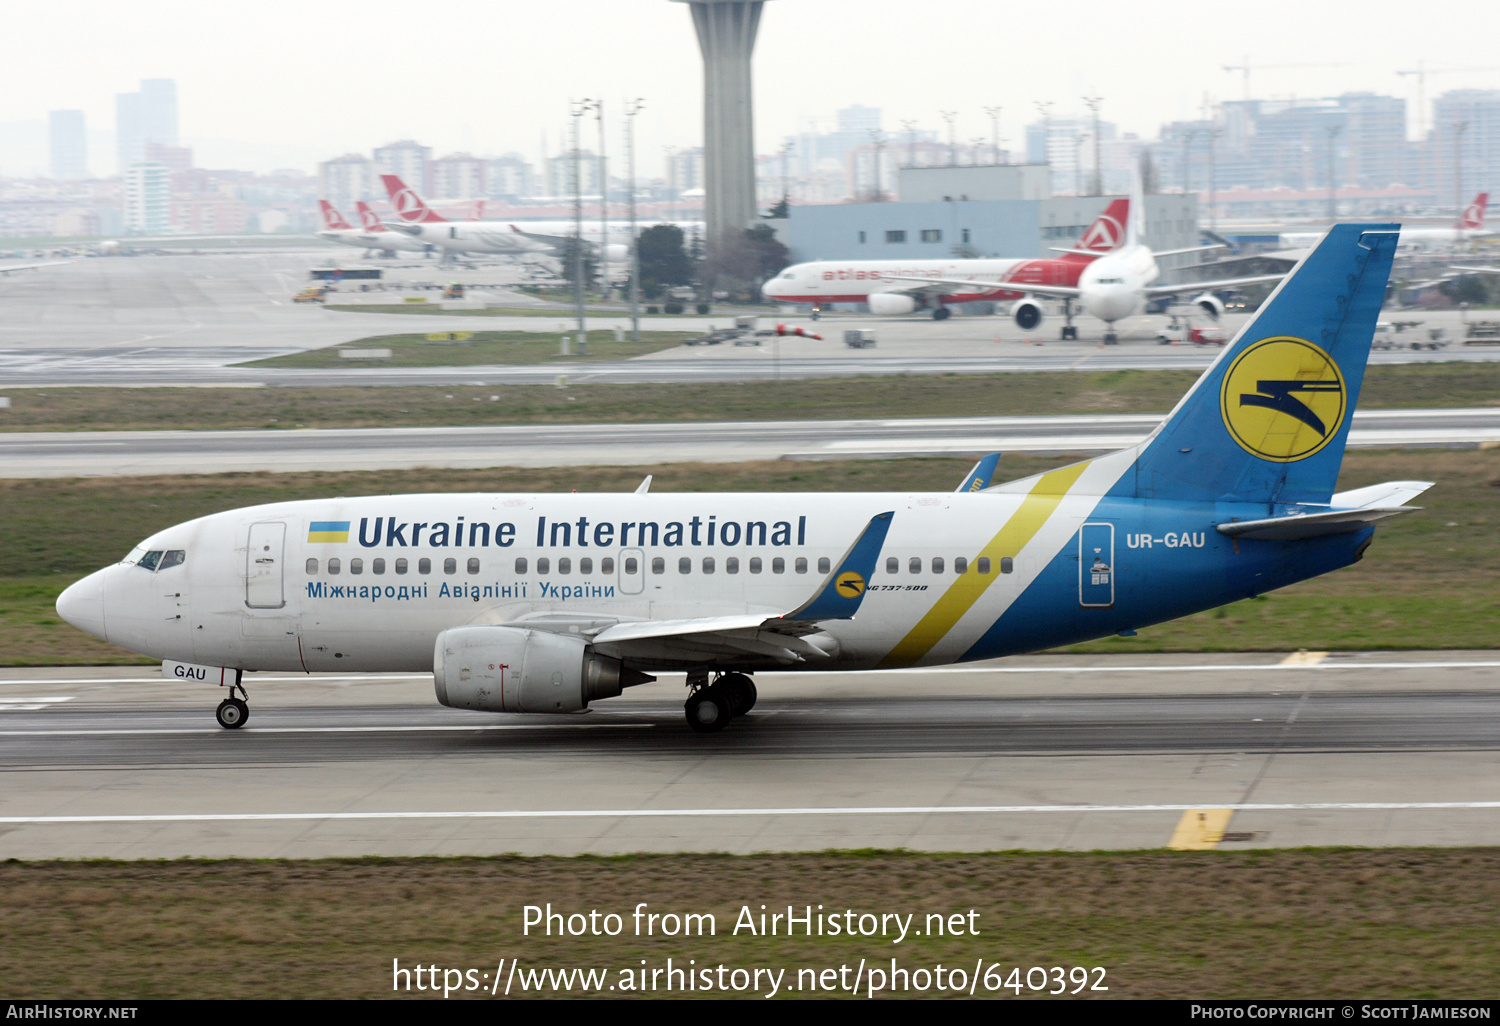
850 584
1105 233
1283 399
408 204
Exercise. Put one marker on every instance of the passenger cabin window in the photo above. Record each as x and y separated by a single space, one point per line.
356 566
778 565
1007 565
424 565
585 565
450 565
312 565
543 565
401 565
149 560
937 564
961 565
983 564
684 565
708 564
658 565
564 564
377 565
172 557
732 565
520 564
473 564
914 565
892 565
801 564
755 564
607 565
824 565
334 566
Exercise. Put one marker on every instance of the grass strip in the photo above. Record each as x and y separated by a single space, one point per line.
1412 386
1427 582
1310 923
482 348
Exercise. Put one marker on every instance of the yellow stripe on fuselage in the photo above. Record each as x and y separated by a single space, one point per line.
1034 511
328 536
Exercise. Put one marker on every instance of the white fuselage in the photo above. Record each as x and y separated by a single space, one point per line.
362 239
854 281
1114 286
514 237
255 592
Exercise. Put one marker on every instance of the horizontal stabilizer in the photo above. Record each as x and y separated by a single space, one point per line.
1310 525
982 475
1385 494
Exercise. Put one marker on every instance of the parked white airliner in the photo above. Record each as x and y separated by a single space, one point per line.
546 603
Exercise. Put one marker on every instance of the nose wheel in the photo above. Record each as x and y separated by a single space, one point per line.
234 710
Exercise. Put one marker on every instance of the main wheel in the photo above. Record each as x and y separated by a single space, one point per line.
232 713
941 313
741 691
708 710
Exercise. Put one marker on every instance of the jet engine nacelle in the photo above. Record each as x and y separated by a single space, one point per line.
891 304
1027 313
1210 304
615 253
508 669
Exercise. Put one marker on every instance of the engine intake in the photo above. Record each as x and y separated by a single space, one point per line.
510 669
1210 304
1027 313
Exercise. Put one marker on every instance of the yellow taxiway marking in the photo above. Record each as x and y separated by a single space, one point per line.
1200 829
1302 657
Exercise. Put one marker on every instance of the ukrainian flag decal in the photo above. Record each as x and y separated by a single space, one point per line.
328 531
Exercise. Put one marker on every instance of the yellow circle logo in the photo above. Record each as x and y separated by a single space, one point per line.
1283 399
849 584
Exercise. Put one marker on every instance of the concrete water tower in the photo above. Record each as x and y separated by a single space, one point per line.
726 35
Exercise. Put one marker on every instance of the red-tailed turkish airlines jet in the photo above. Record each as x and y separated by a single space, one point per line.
891 287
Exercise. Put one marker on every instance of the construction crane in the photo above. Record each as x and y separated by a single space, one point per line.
1247 67
1421 71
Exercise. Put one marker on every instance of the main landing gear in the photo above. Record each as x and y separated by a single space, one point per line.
941 313
1070 330
233 712
710 707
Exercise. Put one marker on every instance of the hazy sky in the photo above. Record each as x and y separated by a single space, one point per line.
305 81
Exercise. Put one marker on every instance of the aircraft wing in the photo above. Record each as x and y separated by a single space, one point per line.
1208 286
788 638
1475 270
945 286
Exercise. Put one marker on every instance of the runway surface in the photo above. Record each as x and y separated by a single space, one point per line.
69 453
187 320
1038 752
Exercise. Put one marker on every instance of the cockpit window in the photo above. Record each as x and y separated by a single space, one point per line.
150 559
172 557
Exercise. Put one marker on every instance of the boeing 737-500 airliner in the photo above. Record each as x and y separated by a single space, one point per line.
547 603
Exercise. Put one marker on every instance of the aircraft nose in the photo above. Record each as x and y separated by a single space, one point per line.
82 604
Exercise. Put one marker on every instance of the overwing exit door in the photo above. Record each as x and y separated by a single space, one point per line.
1096 565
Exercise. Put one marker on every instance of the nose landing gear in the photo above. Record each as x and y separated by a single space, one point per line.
233 712
710 707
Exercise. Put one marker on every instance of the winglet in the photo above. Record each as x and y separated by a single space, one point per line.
980 477
844 589
644 486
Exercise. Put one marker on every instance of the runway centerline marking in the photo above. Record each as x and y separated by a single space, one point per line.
852 810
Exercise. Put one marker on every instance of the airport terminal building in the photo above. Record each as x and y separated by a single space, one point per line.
988 211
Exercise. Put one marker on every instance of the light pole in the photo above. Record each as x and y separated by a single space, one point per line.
786 182
576 110
1333 205
1458 166
911 142
994 116
1044 107
877 139
632 108
1092 103
948 116
603 176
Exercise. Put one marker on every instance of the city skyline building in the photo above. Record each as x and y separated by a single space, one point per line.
148 199
67 142
148 115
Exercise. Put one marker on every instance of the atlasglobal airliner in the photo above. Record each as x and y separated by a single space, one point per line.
547 603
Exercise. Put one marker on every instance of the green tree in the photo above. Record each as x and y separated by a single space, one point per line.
1469 288
590 261
663 259
740 264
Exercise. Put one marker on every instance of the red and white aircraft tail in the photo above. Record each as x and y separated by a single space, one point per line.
476 212
368 219
408 205
1107 233
332 219
1472 219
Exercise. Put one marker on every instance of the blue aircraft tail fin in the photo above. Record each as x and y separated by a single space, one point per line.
1268 421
